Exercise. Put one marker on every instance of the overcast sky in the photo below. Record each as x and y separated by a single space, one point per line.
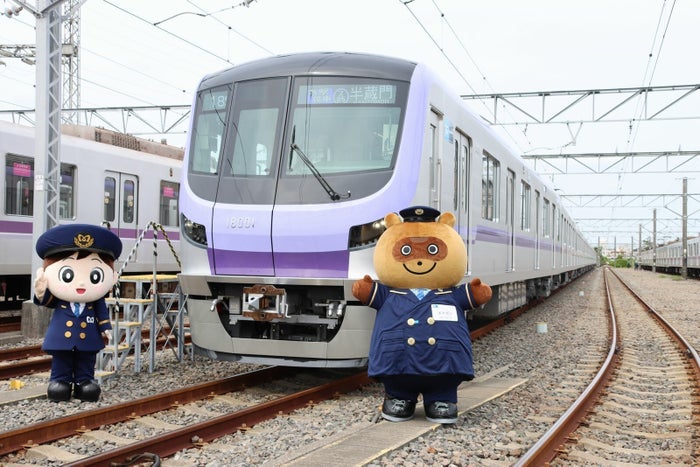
478 46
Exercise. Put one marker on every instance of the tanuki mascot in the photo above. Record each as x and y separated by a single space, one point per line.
420 342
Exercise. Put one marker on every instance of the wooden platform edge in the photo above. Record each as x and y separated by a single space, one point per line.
369 442
35 392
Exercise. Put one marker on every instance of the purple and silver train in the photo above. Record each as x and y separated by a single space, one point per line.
669 258
105 178
292 163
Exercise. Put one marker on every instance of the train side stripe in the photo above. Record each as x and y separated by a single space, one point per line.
16 227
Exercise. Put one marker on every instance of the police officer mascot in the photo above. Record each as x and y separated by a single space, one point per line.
420 341
77 273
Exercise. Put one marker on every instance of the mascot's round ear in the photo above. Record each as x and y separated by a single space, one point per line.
447 218
391 219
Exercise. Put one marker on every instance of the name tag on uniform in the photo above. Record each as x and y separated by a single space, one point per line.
444 312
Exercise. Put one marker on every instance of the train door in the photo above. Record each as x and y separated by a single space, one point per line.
537 229
461 199
555 233
510 220
434 158
120 211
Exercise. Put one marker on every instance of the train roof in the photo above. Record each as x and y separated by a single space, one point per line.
104 136
315 63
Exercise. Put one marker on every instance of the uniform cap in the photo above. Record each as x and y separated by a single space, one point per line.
78 237
419 214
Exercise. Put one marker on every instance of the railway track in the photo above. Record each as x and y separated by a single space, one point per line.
94 424
20 361
196 440
640 407
218 410
10 323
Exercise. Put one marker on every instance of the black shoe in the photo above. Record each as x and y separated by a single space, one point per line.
441 412
398 410
87 391
58 391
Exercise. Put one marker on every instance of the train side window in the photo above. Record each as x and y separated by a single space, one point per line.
19 185
490 176
19 188
110 199
525 206
455 182
545 219
128 201
464 169
66 204
168 203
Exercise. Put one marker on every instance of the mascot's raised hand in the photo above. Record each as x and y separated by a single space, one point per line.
40 284
482 292
362 289
420 341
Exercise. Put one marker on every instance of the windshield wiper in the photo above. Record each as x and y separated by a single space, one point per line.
317 175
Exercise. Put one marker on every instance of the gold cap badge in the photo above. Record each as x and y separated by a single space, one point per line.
83 240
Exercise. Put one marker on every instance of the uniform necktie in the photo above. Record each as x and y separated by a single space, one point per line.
420 293
76 309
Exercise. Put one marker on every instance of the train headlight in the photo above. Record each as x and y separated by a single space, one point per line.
194 232
366 235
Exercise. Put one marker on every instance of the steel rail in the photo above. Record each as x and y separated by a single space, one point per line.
195 435
668 327
15 440
25 367
546 448
10 327
19 353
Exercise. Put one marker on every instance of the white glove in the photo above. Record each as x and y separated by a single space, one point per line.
108 334
40 284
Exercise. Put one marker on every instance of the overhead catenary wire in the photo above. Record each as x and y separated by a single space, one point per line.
650 69
439 47
231 29
96 83
204 13
186 41
134 70
451 62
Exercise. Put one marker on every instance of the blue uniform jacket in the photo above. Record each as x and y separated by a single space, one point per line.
421 337
66 332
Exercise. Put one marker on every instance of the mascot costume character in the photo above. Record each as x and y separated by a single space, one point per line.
77 274
420 342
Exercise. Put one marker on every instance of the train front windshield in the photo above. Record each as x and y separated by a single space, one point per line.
303 140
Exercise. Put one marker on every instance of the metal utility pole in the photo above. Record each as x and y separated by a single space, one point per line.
71 61
47 141
639 249
70 48
653 242
47 162
684 264
632 248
